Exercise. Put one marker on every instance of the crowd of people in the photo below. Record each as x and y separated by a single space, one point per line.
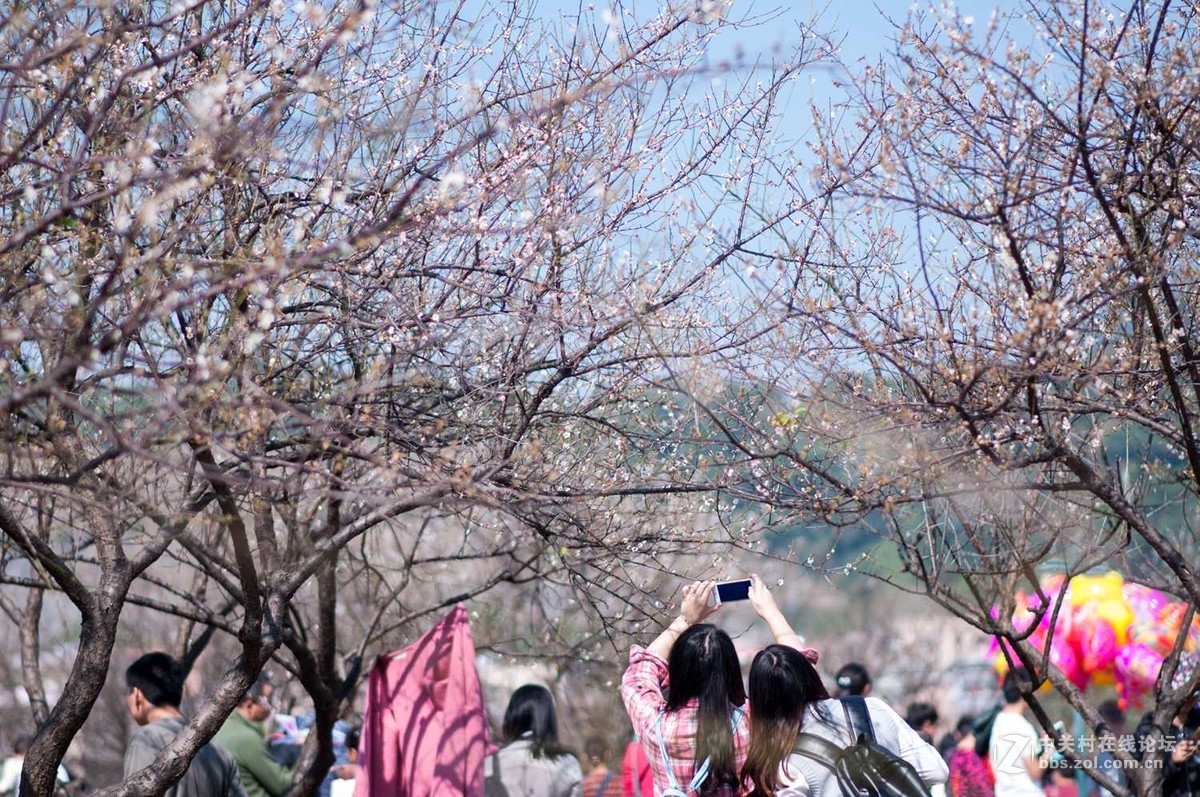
700 729
238 762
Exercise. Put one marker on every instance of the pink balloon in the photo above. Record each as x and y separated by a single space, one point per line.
1064 658
1144 601
1080 625
1098 648
1022 620
1136 668
1053 585
1147 606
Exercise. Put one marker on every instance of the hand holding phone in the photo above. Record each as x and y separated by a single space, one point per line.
1183 750
726 591
696 605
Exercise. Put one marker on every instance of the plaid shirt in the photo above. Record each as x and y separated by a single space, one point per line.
642 688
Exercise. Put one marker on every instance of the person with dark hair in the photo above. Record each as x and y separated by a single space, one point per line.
852 679
10 772
1182 772
969 775
922 718
353 737
685 696
964 727
788 697
155 683
532 762
243 735
1113 719
1180 760
1016 752
344 787
601 780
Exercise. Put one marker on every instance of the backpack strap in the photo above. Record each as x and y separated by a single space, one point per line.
858 718
673 787
818 749
825 752
493 786
672 782
604 783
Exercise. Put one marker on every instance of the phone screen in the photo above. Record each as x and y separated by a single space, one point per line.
733 590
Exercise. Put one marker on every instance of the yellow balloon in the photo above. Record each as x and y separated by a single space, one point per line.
1081 590
1092 589
1118 616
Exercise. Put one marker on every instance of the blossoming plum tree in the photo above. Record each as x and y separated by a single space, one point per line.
300 296
994 328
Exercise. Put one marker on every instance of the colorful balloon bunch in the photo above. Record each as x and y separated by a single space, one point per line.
1107 632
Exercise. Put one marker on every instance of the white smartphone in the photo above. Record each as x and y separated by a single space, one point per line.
726 591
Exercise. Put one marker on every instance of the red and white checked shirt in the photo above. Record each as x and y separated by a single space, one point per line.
643 688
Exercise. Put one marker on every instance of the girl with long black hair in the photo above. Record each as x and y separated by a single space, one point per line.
532 762
686 700
789 698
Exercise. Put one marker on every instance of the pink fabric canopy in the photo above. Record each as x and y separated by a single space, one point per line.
425 733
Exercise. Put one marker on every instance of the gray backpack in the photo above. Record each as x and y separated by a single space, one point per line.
864 768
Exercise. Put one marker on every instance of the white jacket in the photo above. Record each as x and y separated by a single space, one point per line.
803 777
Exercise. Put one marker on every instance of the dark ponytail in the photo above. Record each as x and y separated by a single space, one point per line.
783 683
704 666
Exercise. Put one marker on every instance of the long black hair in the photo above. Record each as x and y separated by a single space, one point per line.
783 682
531 711
703 665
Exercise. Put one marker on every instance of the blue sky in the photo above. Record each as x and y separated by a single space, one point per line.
866 31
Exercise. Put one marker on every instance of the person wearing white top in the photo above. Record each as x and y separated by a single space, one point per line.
1016 754
792 699
344 787
10 772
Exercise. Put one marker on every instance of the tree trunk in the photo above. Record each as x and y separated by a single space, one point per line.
83 685
31 670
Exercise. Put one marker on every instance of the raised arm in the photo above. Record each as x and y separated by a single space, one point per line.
695 608
645 679
764 604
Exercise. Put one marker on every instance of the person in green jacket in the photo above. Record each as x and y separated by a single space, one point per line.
244 736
